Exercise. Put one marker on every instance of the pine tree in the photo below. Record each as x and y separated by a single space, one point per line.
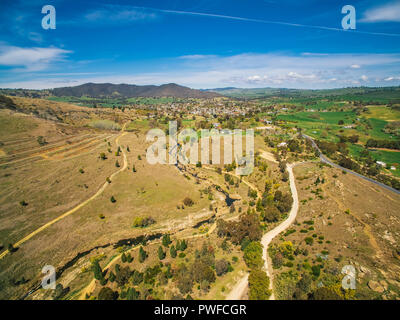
142 255
111 277
183 245
161 253
132 294
168 273
123 257
98 273
129 258
117 164
166 240
112 199
117 270
178 245
172 251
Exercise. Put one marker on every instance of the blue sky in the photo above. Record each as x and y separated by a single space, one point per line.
200 44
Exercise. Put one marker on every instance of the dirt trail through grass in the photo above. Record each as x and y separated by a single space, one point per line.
239 290
251 186
99 192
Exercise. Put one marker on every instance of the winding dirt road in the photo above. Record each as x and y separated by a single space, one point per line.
99 192
267 238
239 289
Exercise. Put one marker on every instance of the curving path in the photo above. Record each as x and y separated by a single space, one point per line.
267 238
99 192
239 289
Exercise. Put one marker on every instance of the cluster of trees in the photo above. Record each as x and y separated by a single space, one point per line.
252 193
222 267
142 222
393 127
252 254
203 124
274 205
294 146
231 166
258 285
352 138
248 227
349 164
98 273
282 168
188 202
393 182
107 293
284 251
200 271
126 257
327 147
258 279
180 245
246 232
124 276
388 144
231 180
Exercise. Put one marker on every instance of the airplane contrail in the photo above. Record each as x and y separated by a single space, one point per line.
220 16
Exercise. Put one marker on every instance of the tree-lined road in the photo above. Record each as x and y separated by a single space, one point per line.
239 289
328 161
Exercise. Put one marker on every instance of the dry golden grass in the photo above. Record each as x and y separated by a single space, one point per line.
358 220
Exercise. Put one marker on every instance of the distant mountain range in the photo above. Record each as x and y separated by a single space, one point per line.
109 90
100 90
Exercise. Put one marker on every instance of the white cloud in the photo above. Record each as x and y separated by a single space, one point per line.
255 78
311 71
387 13
355 66
296 75
391 78
30 59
